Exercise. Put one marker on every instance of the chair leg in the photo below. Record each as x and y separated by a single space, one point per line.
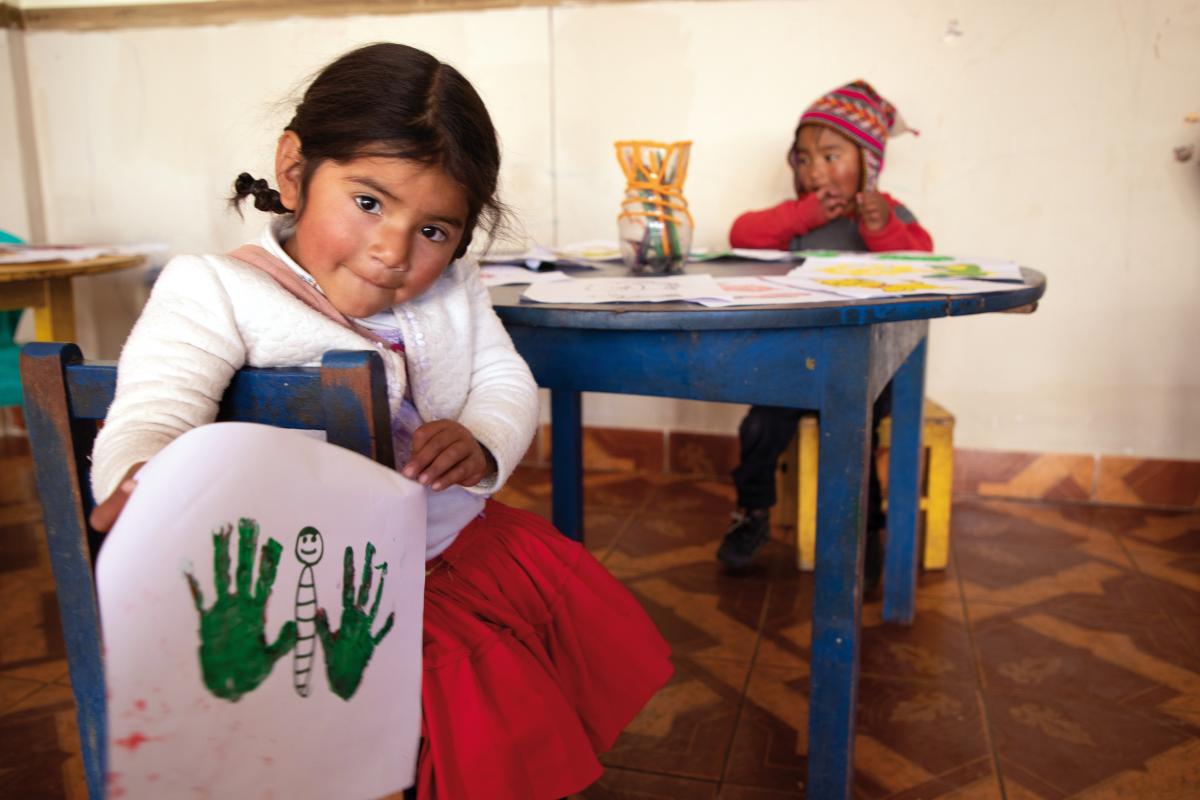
809 439
938 496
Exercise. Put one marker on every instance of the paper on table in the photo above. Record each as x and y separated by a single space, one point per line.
888 286
32 254
907 266
198 705
678 288
760 291
583 254
506 275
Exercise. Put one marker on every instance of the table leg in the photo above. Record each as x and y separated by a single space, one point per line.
566 461
54 317
904 488
845 420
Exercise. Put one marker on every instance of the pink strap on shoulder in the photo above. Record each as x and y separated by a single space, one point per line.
257 256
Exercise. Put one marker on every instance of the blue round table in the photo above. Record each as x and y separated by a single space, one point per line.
834 358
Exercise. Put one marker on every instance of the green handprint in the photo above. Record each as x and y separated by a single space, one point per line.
348 650
234 655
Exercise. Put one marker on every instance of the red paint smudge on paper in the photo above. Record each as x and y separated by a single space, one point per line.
153 776
268 760
133 741
140 705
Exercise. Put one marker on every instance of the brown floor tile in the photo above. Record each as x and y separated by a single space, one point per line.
993 570
618 491
715 496
621 449
702 612
913 739
1032 476
730 791
1147 481
22 546
655 541
685 729
39 748
623 784
702 454
1054 749
14 691
1148 531
1080 651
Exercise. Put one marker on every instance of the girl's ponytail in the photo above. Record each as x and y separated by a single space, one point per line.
265 198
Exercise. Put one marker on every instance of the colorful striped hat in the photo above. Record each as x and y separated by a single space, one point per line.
858 112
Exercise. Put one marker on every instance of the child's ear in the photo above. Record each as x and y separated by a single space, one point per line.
289 169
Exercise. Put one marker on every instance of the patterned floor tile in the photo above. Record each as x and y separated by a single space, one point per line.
732 791
702 612
685 729
1080 651
623 784
656 542
1034 476
702 453
1148 481
39 747
996 571
13 691
1055 749
696 496
914 738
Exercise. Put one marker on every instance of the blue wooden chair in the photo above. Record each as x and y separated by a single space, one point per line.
65 399
10 378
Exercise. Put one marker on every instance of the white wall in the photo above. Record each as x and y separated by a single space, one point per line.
1047 131
14 210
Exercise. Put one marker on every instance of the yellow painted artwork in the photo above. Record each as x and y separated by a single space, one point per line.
891 288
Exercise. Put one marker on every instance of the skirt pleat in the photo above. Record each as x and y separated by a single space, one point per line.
535 659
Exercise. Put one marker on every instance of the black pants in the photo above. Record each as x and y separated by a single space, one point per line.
765 433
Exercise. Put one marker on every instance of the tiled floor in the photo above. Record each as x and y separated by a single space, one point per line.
1059 656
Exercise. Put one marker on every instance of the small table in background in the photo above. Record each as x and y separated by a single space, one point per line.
46 287
834 358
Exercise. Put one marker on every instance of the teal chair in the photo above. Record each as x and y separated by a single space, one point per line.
10 369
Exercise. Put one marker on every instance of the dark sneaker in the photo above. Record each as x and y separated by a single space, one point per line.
745 537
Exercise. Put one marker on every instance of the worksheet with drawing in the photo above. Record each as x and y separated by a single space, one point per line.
261 600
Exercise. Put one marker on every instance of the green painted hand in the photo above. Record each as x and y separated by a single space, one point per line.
234 655
348 650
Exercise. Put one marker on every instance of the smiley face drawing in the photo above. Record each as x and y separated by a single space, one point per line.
310 546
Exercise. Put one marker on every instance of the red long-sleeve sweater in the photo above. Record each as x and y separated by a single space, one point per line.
775 227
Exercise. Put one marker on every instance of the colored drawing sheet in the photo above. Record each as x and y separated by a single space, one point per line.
756 291
261 600
907 267
701 289
863 288
507 275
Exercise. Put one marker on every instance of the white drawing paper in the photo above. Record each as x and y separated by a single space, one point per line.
261 601
661 289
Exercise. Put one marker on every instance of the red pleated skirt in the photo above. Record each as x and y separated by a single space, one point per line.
535 659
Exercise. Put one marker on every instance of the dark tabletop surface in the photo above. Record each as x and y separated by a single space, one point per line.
693 316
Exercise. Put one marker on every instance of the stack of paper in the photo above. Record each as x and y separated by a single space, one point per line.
36 253
867 275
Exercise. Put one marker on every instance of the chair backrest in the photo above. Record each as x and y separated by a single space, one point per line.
66 398
10 378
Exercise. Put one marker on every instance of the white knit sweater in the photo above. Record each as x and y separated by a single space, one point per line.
210 315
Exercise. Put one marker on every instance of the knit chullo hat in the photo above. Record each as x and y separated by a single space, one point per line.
858 112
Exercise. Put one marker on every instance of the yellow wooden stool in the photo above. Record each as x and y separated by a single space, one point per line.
796 484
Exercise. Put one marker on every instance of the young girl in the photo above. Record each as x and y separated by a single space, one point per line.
836 157
535 658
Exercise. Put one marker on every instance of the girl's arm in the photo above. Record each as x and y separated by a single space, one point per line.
502 403
774 228
174 367
900 232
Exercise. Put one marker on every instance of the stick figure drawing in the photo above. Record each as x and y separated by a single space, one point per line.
309 549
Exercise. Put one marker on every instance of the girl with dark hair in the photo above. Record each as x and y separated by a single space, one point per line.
535 658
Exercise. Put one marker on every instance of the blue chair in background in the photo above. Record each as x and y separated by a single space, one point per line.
10 372
67 397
